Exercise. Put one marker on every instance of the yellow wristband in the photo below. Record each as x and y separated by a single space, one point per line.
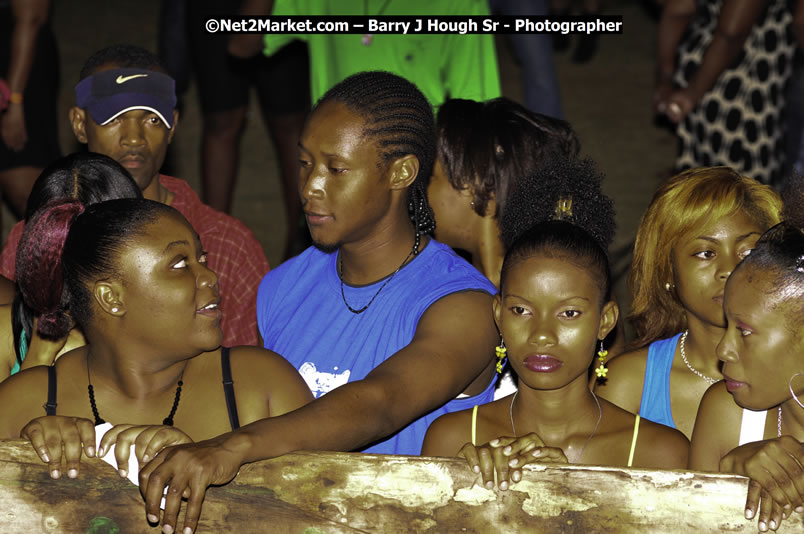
15 98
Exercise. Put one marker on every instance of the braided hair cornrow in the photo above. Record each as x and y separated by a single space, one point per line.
400 119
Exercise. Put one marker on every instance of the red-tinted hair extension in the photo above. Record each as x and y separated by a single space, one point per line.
39 264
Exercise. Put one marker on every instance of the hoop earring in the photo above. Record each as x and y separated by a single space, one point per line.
601 369
500 351
790 387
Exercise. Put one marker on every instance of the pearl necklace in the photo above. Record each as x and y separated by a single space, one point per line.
599 418
708 379
779 422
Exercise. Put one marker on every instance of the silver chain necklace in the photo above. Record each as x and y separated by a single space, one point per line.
599 418
708 379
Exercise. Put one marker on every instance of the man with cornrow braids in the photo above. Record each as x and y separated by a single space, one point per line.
386 325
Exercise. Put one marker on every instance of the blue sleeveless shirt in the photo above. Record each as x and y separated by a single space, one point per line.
301 315
655 404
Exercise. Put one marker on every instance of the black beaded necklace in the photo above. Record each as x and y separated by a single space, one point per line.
99 421
413 252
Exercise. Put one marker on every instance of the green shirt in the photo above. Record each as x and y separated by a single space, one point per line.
442 66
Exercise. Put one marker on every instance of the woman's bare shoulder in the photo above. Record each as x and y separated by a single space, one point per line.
623 383
661 447
450 432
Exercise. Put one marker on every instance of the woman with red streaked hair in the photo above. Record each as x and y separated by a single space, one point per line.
88 178
132 275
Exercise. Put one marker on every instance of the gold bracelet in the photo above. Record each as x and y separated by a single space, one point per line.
15 98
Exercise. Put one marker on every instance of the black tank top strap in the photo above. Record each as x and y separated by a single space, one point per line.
228 388
50 405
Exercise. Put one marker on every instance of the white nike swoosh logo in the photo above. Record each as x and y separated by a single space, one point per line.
124 79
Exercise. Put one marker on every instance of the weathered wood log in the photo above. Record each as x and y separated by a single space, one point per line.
314 493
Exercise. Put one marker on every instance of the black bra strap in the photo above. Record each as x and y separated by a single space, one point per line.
228 388
50 405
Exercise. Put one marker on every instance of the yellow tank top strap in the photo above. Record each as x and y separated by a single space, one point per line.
633 441
474 425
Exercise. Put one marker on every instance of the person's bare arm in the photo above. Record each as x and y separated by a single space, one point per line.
245 45
717 428
737 18
798 23
623 383
453 344
29 16
676 15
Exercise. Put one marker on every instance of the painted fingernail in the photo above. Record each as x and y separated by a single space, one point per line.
45 457
762 526
152 518
749 513
772 524
146 458
494 442
799 509
123 473
513 462
537 452
90 451
490 484
476 469
503 485
72 473
507 450
516 476
101 451
55 474
187 530
167 529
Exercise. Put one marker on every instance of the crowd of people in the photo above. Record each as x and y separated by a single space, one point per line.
126 299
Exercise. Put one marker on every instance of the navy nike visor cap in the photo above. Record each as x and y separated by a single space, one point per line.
110 93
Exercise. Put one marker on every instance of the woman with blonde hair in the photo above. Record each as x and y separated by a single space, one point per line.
698 227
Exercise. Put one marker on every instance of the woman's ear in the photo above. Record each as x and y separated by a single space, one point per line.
608 319
109 296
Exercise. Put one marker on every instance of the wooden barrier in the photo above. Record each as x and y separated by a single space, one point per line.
314 493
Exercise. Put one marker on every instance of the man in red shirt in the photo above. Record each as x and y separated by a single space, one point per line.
125 109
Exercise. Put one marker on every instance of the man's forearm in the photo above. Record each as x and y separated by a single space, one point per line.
345 419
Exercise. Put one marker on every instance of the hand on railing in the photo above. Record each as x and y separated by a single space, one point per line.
147 440
185 471
777 478
56 437
507 455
